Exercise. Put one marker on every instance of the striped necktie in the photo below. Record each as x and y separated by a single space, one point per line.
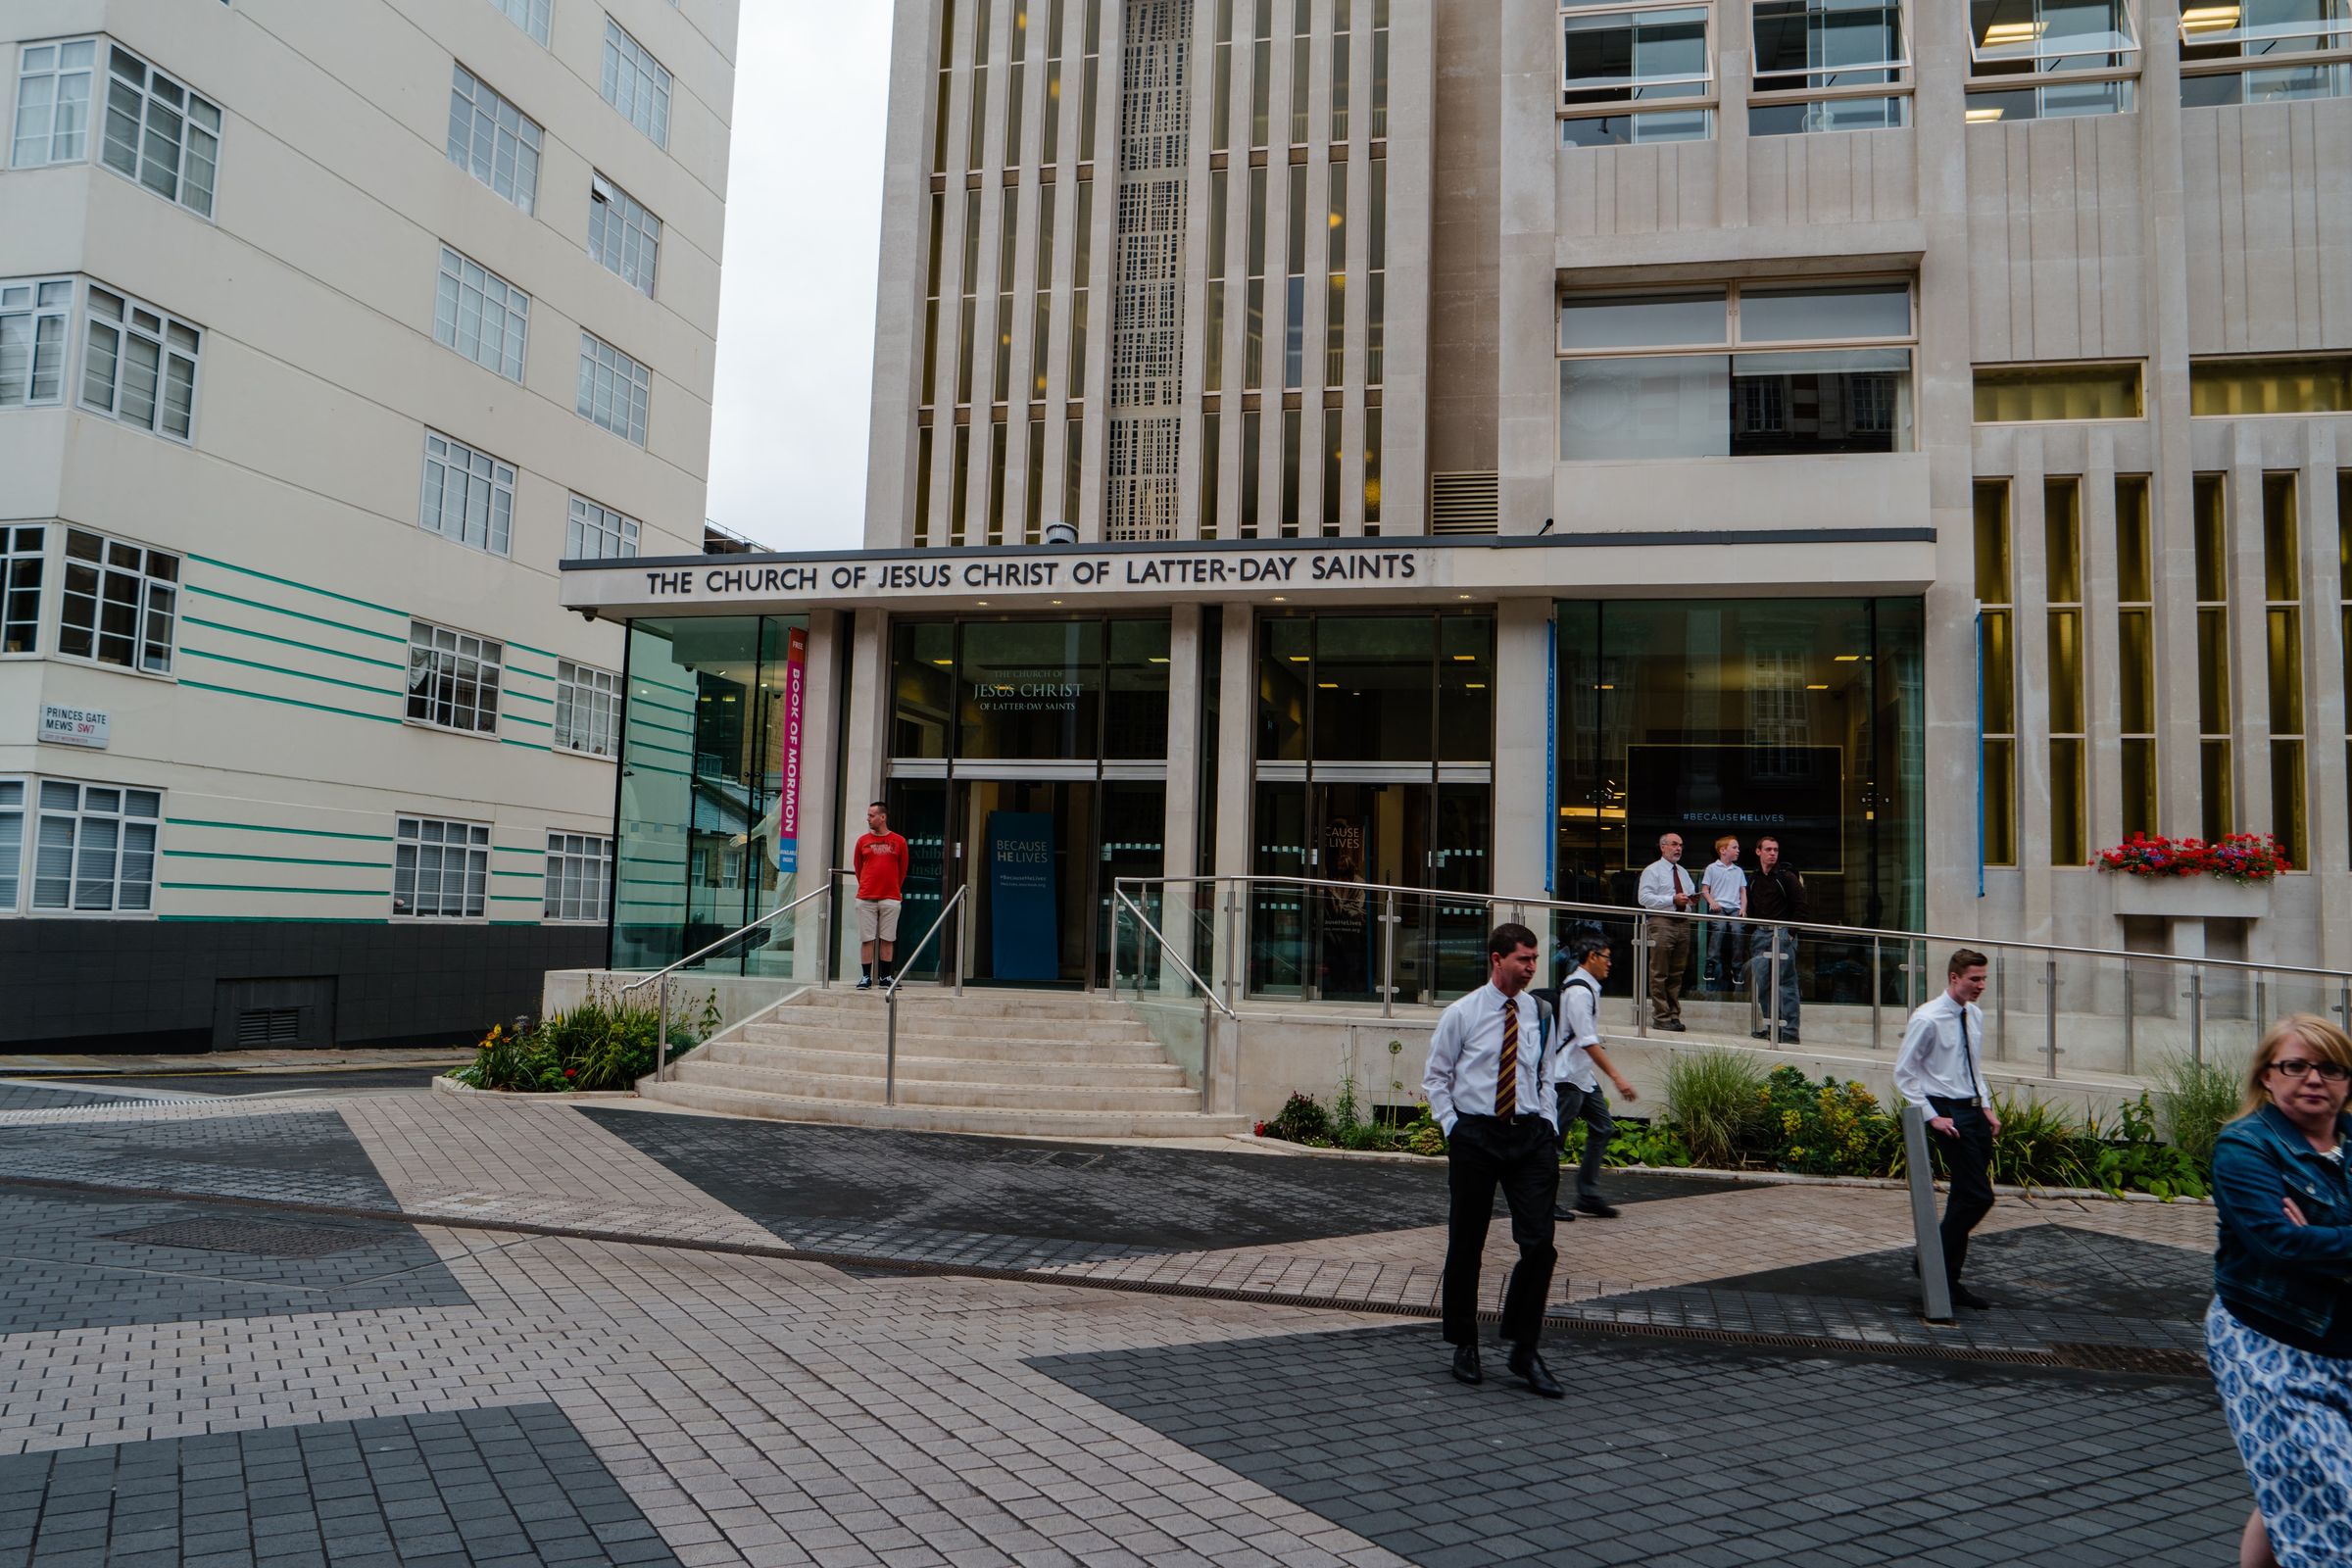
1506 1066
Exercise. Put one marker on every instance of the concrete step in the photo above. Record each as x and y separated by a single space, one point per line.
867 1088
1128 1050
976 1003
874 1020
904 1117
946 1062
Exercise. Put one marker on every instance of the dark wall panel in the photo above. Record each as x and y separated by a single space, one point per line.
125 986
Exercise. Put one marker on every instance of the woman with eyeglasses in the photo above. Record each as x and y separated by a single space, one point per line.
2278 1335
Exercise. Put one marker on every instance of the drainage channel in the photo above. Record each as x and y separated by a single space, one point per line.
2132 1360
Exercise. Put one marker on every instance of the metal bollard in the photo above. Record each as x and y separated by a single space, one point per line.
1935 1291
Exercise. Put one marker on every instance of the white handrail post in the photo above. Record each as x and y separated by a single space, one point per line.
1642 960
661 1029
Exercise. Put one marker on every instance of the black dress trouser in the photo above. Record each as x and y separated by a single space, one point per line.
1522 1157
1969 1159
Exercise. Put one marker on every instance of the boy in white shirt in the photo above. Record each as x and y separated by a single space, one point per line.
1725 888
1576 1085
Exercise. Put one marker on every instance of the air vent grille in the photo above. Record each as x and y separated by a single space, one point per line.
1465 503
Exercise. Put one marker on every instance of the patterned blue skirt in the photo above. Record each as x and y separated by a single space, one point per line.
2292 1414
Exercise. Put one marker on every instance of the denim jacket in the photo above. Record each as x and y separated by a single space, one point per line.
2297 1277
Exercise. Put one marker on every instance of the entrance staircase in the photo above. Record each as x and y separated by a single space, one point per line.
1026 1063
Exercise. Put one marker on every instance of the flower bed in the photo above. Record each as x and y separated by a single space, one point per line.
605 1043
1736 1116
2245 859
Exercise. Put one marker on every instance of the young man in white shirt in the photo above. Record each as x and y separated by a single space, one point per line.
1939 1068
1667 890
1725 888
1488 1088
1576 1091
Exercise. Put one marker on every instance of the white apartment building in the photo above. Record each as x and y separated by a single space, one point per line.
327 332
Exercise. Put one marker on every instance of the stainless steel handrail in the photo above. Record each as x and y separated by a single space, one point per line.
1854 933
889 996
1208 995
660 977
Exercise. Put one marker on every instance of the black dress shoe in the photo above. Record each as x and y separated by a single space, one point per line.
1962 1295
1597 1207
1564 1215
1465 1364
1759 1034
1670 1025
1527 1364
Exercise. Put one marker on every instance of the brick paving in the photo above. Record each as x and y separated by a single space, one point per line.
517 1484
773 1409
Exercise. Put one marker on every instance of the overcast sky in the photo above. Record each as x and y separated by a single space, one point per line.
796 319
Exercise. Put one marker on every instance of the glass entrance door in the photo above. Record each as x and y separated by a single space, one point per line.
1029 865
1372 835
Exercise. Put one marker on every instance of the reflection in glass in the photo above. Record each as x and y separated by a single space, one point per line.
1656 125
2000 674
2288 816
2137 670
2066 672
1858 400
1822 313
1698 317
2213 671
2138 770
2212 759
1372 699
2286 385
1668 407
1829 115
2008 394
2069 839
1029 689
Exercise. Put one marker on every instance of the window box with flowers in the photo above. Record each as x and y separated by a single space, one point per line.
2225 878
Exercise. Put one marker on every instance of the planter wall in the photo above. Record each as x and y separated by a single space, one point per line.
2186 898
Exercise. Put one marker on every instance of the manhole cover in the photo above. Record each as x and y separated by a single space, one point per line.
247 1236
2129 1359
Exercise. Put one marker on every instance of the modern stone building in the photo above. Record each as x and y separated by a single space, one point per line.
327 332
1489 434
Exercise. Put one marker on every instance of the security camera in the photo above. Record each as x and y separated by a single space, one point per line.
1060 533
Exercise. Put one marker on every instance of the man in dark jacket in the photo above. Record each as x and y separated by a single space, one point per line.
1775 892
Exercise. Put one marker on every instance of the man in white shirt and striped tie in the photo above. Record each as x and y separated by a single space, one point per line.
1488 1087
1666 888
1939 1068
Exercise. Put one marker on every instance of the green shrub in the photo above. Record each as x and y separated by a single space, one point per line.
2197 1100
1423 1136
606 1042
1830 1128
1713 1104
1302 1120
2040 1145
1636 1143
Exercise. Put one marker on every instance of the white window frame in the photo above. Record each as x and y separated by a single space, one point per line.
442 662
468 496
416 837
587 710
92 860
2259 61
16 809
578 886
159 101
492 139
624 237
592 523
2021 61
636 84
129 328
36 323
528 14
1734 345
127 578
24 565
1589 101
61 62
608 372
1821 86
465 294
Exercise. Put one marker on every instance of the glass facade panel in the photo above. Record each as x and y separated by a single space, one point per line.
1373 696
1801 718
1029 689
701 768
2310 384
2010 394
1819 313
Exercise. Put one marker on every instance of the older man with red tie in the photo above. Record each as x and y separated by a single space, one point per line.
1490 1088
1667 889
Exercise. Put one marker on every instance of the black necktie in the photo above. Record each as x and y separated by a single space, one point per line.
1968 1059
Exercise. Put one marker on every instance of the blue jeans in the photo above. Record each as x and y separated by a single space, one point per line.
1726 950
1591 1106
1759 975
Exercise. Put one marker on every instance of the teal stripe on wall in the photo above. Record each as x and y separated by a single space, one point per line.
298 614
532 697
308 588
271 859
290 701
537 723
243 887
291 642
280 670
274 919
535 746
642 722
264 827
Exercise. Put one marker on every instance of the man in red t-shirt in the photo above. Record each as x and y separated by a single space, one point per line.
880 862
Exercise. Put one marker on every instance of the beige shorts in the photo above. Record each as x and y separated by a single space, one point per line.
877 920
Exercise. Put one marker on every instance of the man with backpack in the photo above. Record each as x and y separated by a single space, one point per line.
1490 1090
1578 1091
